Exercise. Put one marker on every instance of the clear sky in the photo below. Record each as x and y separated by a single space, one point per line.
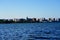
30 8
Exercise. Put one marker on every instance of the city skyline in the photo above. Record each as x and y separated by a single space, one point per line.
30 8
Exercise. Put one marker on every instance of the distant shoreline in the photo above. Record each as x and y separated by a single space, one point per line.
29 20
26 23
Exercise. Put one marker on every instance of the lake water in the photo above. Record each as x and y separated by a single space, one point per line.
30 31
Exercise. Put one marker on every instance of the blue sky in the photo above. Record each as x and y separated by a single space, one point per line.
30 8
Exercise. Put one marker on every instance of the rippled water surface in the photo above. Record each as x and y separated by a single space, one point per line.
30 31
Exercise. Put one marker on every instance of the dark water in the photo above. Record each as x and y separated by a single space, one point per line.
30 31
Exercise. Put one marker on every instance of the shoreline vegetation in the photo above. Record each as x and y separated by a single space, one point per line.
30 20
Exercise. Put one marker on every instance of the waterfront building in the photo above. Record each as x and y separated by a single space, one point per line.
34 19
41 19
53 20
59 19
44 20
10 19
29 20
50 19
22 20
38 20
16 20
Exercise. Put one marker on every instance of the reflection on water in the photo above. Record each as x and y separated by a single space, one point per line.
30 31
